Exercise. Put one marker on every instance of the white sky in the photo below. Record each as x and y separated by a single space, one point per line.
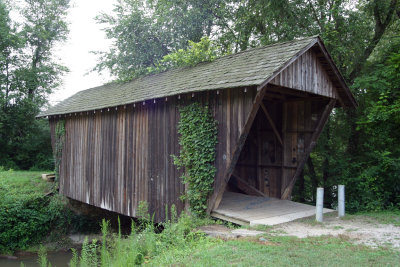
85 36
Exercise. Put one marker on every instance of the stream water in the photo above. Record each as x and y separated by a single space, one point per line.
58 259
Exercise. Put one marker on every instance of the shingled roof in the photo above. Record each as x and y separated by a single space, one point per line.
247 68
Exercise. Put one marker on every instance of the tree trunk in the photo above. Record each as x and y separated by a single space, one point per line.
327 150
382 22
301 187
353 143
313 176
7 86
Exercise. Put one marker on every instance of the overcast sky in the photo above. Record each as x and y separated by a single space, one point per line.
85 36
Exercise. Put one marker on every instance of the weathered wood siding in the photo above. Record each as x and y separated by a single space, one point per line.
115 159
265 163
300 122
307 74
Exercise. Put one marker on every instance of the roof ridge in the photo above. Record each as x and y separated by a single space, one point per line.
225 72
271 45
251 49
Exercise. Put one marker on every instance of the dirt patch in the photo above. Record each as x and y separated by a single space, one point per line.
265 242
357 230
218 231
224 232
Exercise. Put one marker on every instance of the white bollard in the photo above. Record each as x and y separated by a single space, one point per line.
341 209
320 204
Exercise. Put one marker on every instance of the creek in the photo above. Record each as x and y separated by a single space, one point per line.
59 259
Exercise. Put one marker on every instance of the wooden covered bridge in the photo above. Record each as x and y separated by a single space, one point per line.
271 104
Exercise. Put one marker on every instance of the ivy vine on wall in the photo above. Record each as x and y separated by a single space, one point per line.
58 147
198 139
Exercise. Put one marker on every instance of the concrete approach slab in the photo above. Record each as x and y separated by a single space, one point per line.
253 210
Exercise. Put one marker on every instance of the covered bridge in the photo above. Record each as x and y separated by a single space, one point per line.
271 104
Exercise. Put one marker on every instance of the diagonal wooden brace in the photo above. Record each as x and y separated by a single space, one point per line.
243 185
318 129
271 122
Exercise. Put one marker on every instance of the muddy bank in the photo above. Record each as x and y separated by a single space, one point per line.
59 259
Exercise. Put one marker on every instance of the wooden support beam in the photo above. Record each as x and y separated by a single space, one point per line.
216 197
271 122
288 91
245 187
308 99
255 142
275 95
318 129
290 131
260 165
284 128
297 94
259 174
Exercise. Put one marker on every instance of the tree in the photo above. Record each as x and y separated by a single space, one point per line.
45 26
145 31
203 51
28 75
9 42
377 178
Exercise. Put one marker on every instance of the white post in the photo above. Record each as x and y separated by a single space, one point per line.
341 209
320 204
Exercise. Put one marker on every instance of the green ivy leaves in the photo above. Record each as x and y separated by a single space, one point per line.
198 138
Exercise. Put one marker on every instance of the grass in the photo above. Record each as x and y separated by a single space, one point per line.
285 251
25 213
28 216
22 184
375 217
258 227
384 217
338 227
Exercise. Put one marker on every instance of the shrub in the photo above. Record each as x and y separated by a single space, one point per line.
27 215
144 244
23 221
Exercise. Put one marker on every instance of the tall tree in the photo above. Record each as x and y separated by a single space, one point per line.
28 74
45 25
145 31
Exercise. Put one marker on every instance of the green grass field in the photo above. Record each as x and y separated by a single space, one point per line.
27 215
384 217
286 251
15 185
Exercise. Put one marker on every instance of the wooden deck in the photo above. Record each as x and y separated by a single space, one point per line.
253 210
